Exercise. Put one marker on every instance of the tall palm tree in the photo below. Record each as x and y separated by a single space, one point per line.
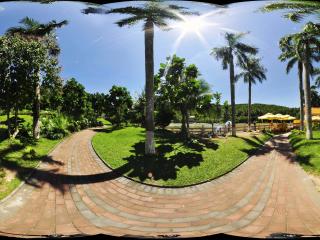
306 42
35 31
252 70
289 54
151 14
238 50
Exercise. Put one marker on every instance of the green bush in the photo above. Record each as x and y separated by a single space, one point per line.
297 132
55 126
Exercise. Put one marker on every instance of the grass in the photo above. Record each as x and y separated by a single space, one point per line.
177 163
104 121
19 158
307 151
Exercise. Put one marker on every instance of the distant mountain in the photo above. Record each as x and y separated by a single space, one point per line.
258 109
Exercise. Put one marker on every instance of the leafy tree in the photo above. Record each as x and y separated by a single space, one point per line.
98 102
153 13
226 112
118 103
182 89
252 70
32 30
238 50
21 62
74 97
137 114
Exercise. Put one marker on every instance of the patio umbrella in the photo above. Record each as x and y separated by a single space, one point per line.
315 118
267 116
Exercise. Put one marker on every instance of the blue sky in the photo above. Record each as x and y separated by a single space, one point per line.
99 54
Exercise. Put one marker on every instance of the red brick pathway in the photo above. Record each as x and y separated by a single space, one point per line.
76 193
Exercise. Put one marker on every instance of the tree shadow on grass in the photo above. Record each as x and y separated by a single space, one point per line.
257 147
161 167
164 165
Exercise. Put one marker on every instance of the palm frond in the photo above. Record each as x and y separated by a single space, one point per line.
94 10
246 48
128 21
290 64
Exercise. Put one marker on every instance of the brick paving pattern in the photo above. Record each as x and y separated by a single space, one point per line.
76 193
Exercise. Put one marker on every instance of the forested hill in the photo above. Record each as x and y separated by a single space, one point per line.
258 109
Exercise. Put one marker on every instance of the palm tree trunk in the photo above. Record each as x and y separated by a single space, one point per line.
36 111
307 93
233 105
149 65
301 96
249 107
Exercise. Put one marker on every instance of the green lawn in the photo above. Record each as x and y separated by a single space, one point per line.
104 121
308 151
19 157
176 163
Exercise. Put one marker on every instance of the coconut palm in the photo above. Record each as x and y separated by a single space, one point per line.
305 44
289 54
238 50
33 30
297 9
252 71
152 14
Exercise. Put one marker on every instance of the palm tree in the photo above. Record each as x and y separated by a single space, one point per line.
35 31
297 9
305 43
289 54
252 70
238 50
151 14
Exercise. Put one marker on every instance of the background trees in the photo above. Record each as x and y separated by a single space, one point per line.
74 98
118 102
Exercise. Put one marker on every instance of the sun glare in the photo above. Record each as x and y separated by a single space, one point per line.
194 24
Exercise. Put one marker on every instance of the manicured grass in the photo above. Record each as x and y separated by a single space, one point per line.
21 159
104 121
308 151
176 163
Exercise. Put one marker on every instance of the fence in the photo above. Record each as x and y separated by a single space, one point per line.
199 128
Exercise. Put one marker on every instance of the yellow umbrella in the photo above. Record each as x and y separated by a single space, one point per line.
315 118
267 116
280 116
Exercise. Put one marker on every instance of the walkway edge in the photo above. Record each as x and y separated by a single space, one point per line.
185 186
32 172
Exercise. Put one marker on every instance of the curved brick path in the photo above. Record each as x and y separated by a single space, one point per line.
75 193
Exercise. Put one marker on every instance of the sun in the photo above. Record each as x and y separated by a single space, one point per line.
194 24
